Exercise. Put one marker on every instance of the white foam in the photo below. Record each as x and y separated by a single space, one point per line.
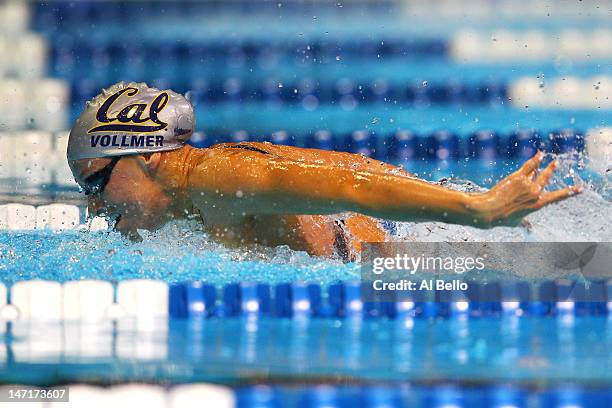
57 216
98 224
17 217
582 218
599 149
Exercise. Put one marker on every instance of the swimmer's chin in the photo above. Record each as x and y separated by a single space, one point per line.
126 229
129 226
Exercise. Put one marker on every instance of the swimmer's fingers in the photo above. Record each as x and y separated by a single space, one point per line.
544 177
558 195
528 169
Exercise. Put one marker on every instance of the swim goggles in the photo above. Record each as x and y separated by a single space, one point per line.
96 182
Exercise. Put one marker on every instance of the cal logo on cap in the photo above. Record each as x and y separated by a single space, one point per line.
131 118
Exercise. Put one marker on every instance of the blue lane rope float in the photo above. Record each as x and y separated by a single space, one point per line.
421 396
405 145
348 300
237 90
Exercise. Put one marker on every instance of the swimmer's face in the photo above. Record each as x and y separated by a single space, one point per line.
132 197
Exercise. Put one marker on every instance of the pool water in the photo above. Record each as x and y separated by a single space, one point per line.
537 351
182 252
253 68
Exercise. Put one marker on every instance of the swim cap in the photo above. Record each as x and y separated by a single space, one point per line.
131 118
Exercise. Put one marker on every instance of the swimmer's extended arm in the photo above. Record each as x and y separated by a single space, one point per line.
330 157
244 183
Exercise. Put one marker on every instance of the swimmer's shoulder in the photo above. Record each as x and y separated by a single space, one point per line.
258 147
264 150
222 154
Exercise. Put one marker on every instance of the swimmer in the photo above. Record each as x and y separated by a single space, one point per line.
128 152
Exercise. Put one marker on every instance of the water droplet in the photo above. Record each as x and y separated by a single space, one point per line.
425 83
337 58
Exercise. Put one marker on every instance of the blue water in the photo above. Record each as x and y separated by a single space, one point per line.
389 117
193 256
530 350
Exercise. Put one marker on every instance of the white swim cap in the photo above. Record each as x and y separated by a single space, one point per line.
131 118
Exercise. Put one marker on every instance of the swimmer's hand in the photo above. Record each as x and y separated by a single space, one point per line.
521 193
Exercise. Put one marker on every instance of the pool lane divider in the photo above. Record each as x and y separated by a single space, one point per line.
405 146
56 217
388 395
525 92
421 396
95 300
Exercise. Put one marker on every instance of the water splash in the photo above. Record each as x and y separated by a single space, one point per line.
584 217
181 251
178 252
